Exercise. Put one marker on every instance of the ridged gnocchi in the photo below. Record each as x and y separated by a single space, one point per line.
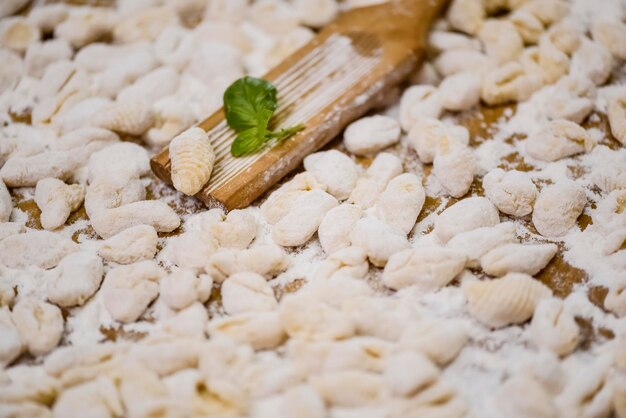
509 300
192 160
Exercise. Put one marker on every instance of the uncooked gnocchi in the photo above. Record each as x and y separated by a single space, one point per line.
511 299
40 325
63 287
557 208
465 215
559 139
130 245
192 160
334 230
333 169
554 328
427 268
247 292
57 201
379 240
512 192
371 134
401 202
521 258
128 290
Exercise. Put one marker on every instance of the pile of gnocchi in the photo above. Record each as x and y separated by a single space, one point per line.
418 267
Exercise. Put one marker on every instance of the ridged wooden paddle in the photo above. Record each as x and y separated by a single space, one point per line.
325 85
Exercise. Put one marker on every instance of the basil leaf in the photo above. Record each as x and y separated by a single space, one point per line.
245 99
249 104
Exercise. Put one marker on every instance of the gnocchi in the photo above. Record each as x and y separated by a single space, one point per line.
40 325
554 328
333 169
401 202
334 230
371 134
192 160
367 189
557 208
478 242
427 268
465 215
247 292
128 290
155 213
522 258
63 288
182 288
421 101
559 139
616 113
35 248
303 219
11 345
509 300
427 135
379 240
454 167
57 201
512 192
130 245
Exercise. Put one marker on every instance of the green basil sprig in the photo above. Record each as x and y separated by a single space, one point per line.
249 104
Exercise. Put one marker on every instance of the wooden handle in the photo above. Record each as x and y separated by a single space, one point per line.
330 82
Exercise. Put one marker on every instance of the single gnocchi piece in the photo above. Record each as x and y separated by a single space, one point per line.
421 101
443 40
454 166
65 290
466 15
427 135
592 61
559 139
612 35
509 82
557 208
123 160
40 325
35 248
615 300
350 388
268 260
316 13
247 292
367 189
478 242
261 330
17 33
588 392
172 116
512 192
282 200
553 62
6 203
333 169
11 344
465 215
86 25
379 240
112 192
521 258
192 159
128 290
573 99
182 288
303 316
238 230
509 300
609 168
456 61
346 262
440 339
130 117
148 212
152 86
501 40
130 245
616 112
371 134
334 230
427 268
100 397
191 249
554 328
527 25
460 91
408 372
401 202
26 171
303 219
57 201
536 402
